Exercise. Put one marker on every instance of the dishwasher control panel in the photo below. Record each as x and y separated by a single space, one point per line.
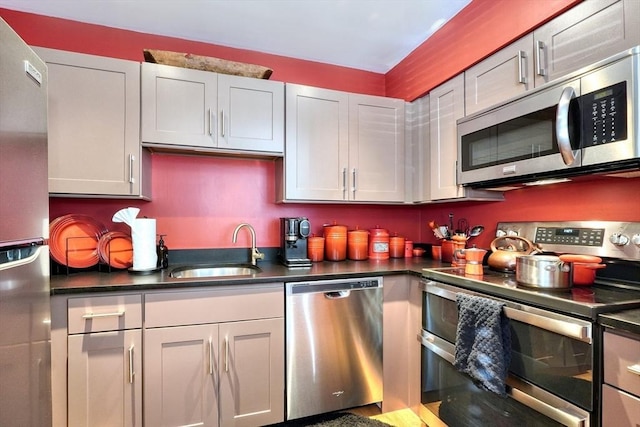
333 285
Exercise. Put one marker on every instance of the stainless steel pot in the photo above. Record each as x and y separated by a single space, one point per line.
543 271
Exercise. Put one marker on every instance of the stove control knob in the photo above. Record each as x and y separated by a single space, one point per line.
636 239
619 239
500 233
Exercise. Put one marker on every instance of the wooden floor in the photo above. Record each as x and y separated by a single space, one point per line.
401 418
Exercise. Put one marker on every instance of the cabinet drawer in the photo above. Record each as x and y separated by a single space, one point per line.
212 306
622 362
619 408
104 313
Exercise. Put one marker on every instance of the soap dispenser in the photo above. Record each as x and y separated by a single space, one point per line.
163 253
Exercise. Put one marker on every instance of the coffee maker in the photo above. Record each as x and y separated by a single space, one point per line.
293 241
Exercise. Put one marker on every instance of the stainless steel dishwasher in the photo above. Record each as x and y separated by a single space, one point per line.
334 345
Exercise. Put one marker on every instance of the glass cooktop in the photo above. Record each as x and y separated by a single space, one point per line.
586 301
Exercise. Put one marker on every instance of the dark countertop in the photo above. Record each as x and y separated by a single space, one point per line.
628 321
95 281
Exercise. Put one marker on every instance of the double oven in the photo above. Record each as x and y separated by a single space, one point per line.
555 371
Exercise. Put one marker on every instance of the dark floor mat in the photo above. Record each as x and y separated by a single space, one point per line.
335 419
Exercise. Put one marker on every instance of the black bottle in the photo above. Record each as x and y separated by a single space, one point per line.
163 253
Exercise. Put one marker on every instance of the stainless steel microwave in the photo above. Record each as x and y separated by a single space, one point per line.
587 122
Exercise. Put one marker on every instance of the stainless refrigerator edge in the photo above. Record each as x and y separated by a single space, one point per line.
25 356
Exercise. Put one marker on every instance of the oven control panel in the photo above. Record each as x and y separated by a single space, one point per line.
601 238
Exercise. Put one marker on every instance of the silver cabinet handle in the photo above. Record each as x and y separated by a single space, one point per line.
344 183
131 373
634 369
210 357
562 125
522 78
96 315
222 127
353 184
210 122
539 53
131 160
226 354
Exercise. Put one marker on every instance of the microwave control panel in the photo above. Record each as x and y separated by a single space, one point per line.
604 115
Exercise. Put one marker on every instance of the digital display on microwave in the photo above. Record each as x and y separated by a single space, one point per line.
602 94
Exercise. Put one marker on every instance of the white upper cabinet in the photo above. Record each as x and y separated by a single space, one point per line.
585 34
446 106
503 75
376 149
250 114
342 147
591 31
94 126
205 111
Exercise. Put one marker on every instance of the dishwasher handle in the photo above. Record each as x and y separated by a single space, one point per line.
337 294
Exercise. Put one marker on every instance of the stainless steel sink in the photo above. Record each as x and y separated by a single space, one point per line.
214 270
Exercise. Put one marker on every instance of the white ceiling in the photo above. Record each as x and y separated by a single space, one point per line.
371 35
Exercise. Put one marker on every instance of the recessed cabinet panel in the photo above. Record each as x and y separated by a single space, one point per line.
446 106
105 379
503 75
587 33
252 372
316 155
94 126
181 376
250 114
178 106
376 149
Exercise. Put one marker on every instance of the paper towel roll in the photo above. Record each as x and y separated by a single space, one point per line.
143 237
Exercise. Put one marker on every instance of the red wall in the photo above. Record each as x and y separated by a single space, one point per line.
199 200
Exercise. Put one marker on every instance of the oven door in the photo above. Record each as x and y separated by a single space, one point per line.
550 371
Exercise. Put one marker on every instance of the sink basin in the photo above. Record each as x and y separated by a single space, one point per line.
217 270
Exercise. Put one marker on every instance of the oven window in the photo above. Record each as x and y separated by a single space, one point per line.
554 362
454 399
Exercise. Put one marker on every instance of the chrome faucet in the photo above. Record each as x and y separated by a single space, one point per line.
255 253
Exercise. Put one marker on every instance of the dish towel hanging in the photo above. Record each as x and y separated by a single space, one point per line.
483 342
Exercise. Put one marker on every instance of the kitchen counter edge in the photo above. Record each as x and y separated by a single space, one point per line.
120 281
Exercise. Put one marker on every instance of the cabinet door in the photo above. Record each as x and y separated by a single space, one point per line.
105 379
250 114
178 106
316 145
591 31
503 75
419 151
252 372
94 125
181 376
376 149
446 106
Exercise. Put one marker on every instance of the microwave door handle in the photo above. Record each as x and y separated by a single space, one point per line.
562 126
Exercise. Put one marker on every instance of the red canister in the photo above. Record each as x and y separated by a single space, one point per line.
315 248
358 244
378 243
396 247
335 242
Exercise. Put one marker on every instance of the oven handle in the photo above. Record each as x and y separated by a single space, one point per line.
576 330
515 390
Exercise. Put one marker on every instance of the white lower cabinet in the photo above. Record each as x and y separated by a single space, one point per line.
181 376
214 357
227 374
104 379
208 356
